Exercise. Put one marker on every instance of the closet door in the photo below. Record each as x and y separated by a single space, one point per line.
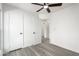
15 29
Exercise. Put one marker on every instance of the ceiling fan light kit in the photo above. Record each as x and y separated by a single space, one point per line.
43 16
47 5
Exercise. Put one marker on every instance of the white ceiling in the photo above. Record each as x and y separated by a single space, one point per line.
33 8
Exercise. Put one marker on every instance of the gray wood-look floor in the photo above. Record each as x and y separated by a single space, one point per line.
42 49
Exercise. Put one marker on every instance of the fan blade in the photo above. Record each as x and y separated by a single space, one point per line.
37 4
53 5
48 10
39 9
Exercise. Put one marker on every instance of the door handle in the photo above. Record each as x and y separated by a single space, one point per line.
21 33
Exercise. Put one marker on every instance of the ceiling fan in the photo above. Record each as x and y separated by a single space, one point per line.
47 5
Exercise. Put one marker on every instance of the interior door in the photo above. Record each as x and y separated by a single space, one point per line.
16 30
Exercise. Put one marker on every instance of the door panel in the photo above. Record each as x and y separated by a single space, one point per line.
16 29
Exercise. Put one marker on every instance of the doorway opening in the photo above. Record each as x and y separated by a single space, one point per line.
45 31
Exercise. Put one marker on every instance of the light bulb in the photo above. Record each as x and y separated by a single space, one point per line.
45 6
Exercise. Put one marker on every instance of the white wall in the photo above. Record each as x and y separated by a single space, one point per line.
64 28
0 26
0 29
31 24
0 6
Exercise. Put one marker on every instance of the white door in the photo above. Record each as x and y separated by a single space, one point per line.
16 30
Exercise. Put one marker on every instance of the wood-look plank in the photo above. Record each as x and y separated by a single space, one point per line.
29 52
11 54
58 51
40 52
43 49
47 49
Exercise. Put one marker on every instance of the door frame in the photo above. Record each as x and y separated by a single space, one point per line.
2 29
